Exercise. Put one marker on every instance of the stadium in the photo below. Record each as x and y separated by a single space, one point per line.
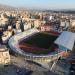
35 45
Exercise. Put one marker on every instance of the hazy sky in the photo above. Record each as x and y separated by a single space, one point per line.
49 4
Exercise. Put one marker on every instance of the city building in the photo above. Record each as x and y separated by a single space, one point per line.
46 27
72 23
6 35
4 55
37 23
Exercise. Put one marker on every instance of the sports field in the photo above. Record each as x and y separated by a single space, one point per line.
40 43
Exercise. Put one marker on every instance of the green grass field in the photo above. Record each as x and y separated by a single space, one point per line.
41 40
40 43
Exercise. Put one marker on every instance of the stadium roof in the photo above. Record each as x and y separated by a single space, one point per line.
66 39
